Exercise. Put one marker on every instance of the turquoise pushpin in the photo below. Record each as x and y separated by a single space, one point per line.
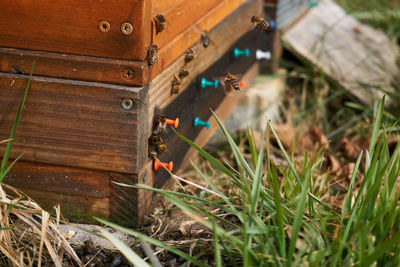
238 52
312 3
205 83
198 122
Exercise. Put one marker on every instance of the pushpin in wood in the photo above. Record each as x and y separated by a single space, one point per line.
198 122
158 165
205 83
237 52
263 55
174 123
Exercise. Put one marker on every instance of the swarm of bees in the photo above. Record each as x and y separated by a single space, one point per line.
231 81
261 23
160 23
152 56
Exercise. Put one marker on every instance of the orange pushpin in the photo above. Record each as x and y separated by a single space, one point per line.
158 164
175 122
242 83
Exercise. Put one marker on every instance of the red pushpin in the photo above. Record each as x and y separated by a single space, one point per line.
158 164
175 122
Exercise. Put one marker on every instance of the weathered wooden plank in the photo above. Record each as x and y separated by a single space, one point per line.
75 208
182 18
223 37
174 49
360 58
85 68
74 123
59 179
73 27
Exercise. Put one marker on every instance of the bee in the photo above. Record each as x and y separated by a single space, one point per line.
175 85
189 55
183 73
160 125
152 56
160 23
231 81
261 23
205 39
156 145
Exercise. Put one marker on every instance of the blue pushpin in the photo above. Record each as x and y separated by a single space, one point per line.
312 3
198 122
272 24
205 83
238 52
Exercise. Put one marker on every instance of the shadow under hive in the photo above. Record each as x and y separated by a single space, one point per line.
94 97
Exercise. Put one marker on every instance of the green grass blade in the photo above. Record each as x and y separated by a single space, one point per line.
377 125
15 125
4 173
125 250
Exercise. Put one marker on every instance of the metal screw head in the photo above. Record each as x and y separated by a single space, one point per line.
126 28
127 73
127 104
104 26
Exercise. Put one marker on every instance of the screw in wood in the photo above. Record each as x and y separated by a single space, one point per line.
263 55
237 52
198 122
174 123
127 73
205 83
104 26
127 104
158 165
126 28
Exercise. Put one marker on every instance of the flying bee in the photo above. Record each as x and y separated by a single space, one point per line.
189 55
160 23
156 145
152 56
183 73
231 81
261 23
175 86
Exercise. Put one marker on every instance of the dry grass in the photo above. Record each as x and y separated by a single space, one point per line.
29 236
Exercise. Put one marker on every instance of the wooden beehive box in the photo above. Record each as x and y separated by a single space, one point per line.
78 132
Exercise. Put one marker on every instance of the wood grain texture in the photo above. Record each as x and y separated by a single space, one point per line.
74 123
84 68
59 179
358 57
223 37
72 27
74 208
171 49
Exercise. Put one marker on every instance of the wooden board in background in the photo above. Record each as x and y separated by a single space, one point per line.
75 123
359 58
72 27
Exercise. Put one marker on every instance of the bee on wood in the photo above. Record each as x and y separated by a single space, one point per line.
156 145
160 23
261 23
175 86
189 55
160 125
231 81
152 56
183 73
205 39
